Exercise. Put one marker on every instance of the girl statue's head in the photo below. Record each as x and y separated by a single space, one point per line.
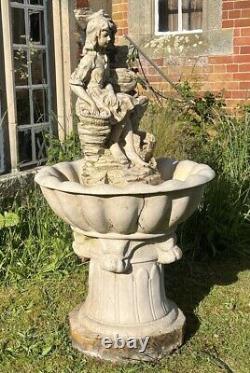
100 27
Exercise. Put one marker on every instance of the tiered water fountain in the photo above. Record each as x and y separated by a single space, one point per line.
123 207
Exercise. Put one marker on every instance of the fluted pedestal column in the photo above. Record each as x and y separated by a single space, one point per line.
126 303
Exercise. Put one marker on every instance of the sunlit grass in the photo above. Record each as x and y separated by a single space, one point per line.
35 334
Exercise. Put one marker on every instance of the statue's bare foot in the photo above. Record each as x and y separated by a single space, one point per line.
118 155
136 160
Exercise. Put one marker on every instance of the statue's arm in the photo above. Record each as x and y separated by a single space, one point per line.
79 80
80 92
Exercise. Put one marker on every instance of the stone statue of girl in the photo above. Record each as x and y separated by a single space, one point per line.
97 98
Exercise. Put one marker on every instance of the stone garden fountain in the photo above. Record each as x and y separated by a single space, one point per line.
123 207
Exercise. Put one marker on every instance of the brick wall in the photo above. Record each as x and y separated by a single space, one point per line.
82 3
120 17
227 73
232 72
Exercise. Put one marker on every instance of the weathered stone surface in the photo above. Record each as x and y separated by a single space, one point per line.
12 185
109 111
158 346
123 208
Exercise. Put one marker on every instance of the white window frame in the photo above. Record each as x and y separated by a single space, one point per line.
2 165
65 56
43 125
11 88
180 30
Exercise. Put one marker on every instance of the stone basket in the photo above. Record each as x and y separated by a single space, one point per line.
93 133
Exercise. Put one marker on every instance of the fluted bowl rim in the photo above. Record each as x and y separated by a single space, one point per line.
54 177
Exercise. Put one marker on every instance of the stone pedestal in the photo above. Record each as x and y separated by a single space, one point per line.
126 301
128 235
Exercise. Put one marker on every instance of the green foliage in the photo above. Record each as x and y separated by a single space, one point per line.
39 245
8 219
204 106
67 150
223 219
34 241
202 130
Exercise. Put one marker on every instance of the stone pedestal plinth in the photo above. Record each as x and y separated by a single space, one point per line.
126 314
128 235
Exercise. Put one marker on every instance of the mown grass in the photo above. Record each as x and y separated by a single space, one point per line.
213 295
42 280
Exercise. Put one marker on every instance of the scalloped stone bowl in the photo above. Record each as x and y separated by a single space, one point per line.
128 233
138 209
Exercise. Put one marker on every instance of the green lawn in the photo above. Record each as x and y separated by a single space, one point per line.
214 296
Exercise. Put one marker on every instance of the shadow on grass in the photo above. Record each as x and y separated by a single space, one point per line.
188 282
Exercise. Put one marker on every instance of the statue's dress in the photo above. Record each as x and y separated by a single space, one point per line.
93 75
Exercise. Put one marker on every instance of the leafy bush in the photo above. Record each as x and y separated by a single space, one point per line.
40 244
67 150
33 240
200 129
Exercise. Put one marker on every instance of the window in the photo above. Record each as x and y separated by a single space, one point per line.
37 49
31 78
176 16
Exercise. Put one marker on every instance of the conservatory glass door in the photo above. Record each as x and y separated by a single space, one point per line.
30 43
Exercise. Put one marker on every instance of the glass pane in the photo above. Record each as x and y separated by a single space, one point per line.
17 1
186 4
40 141
24 146
185 22
196 21
192 14
38 66
36 2
23 106
173 22
172 5
36 26
40 106
20 67
192 5
168 15
196 5
18 26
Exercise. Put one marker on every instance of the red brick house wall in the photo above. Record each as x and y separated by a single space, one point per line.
120 16
229 73
82 3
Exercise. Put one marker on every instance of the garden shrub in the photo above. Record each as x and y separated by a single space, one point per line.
33 240
200 129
